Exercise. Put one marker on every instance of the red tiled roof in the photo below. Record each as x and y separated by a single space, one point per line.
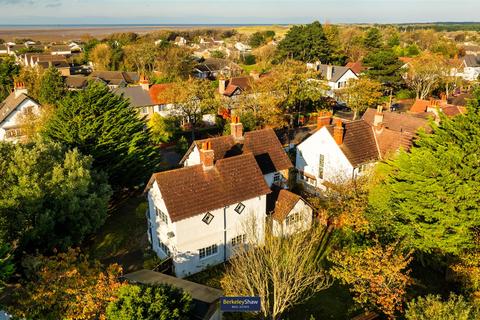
263 144
192 190
420 106
284 202
396 121
242 83
359 144
356 67
156 92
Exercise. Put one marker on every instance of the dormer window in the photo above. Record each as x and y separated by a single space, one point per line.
276 177
208 218
239 208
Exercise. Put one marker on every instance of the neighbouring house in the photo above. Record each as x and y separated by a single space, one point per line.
205 300
115 79
242 47
198 214
162 106
345 149
471 49
3 49
234 86
289 212
356 67
263 144
336 76
16 105
77 82
46 61
139 98
471 67
432 106
179 41
212 68
60 50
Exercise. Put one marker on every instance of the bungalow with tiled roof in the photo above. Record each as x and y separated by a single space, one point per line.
336 76
345 149
11 110
115 79
433 106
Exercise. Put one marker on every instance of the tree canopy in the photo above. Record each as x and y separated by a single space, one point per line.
52 87
430 196
384 67
50 198
159 302
8 71
102 124
306 43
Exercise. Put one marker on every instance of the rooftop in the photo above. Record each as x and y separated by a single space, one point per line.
193 190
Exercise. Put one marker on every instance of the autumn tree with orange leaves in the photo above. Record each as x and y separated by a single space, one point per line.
67 286
377 275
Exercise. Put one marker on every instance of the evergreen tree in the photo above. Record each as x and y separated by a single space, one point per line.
431 197
50 198
373 39
384 67
160 302
52 87
8 70
306 43
103 125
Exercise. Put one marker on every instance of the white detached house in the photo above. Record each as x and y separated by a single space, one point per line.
199 214
344 150
12 109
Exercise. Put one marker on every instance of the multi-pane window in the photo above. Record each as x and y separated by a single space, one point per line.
208 251
162 215
277 177
239 240
292 218
144 110
208 218
321 165
239 208
164 247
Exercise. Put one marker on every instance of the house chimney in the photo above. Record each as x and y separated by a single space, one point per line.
207 155
323 119
236 128
329 72
338 131
144 83
378 118
19 88
222 85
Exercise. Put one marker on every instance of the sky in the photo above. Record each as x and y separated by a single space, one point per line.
234 12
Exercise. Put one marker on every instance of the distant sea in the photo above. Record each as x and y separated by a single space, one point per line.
109 26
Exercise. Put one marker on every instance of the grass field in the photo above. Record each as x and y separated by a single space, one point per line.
280 31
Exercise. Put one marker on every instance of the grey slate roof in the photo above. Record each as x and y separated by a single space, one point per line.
337 72
116 77
137 96
10 104
472 61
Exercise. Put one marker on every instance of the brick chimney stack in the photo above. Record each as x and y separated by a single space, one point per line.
222 85
378 119
236 128
338 131
144 83
329 74
207 155
19 88
324 118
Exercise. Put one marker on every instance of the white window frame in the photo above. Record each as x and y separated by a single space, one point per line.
277 177
161 215
293 219
240 239
321 166
207 252
164 248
